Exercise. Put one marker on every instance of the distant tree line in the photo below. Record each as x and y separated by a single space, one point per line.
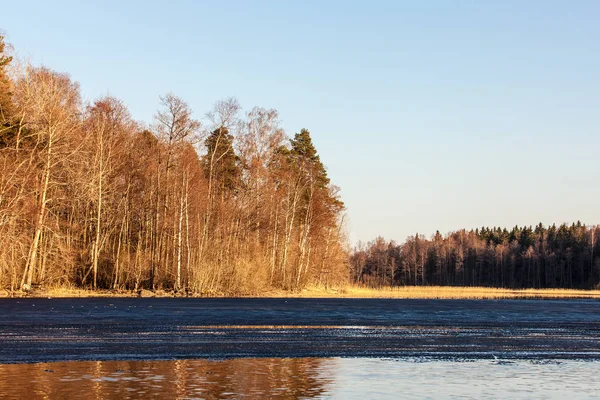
565 256
91 198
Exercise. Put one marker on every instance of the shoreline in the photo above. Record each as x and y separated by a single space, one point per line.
349 292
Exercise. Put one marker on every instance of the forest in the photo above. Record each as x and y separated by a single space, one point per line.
229 204
565 256
91 198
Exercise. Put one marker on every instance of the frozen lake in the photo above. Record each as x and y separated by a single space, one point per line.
42 330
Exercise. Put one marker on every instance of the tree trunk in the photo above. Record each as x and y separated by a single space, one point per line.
179 239
33 251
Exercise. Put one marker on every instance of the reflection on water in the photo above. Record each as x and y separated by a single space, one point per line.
252 378
343 378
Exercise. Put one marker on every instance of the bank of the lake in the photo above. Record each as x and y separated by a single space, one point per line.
347 292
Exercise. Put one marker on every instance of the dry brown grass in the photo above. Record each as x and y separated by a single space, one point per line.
404 292
448 292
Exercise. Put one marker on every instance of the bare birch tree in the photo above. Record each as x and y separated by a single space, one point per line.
50 104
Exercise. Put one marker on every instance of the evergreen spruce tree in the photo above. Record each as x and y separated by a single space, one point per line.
304 156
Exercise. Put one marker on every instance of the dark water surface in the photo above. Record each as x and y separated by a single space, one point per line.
43 330
302 378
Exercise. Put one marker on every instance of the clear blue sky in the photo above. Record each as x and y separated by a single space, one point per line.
428 114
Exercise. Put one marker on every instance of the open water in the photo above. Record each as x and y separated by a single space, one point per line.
303 378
